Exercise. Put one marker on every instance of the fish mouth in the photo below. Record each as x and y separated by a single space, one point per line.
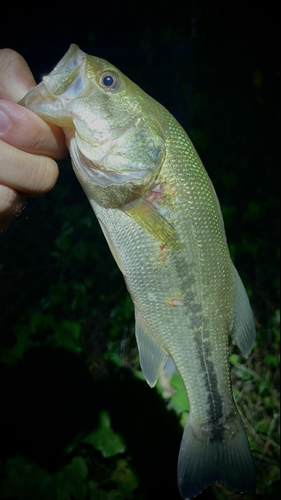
66 82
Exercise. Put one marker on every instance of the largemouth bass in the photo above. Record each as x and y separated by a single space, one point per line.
161 218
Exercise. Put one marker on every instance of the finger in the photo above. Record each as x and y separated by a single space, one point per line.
26 131
26 172
16 77
11 204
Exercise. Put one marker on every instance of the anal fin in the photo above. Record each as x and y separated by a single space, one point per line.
152 358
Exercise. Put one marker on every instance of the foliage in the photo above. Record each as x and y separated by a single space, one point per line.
104 439
27 481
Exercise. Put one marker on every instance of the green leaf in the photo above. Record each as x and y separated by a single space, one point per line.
234 358
263 426
184 418
97 494
179 400
104 439
140 376
27 481
128 307
274 473
37 321
112 356
24 480
125 479
67 335
271 403
23 342
73 480
272 361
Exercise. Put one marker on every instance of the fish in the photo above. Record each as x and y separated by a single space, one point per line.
161 218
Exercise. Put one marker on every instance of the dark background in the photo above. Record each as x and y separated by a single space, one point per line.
217 71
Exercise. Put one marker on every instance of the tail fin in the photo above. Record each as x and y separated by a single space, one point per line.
204 461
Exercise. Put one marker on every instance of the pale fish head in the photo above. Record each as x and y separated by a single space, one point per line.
113 133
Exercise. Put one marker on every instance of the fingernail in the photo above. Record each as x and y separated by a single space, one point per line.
20 206
4 121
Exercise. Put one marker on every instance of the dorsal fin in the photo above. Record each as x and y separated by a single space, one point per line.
244 331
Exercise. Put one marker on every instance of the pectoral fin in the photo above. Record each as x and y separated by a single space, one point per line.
244 331
150 219
152 358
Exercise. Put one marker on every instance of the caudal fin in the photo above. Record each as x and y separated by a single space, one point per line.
225 459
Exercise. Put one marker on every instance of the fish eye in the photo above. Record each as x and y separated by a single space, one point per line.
109 81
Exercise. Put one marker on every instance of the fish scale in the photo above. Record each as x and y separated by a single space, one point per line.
161 218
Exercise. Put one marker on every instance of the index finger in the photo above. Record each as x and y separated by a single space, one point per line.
16 77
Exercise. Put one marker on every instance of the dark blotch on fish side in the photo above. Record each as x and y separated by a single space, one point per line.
215 404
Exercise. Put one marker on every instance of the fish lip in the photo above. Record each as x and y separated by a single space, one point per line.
71 63
50 91
73 51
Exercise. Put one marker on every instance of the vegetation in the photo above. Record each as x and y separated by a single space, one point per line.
79 421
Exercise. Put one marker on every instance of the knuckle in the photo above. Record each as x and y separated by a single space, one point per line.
44 175
48 140
37 140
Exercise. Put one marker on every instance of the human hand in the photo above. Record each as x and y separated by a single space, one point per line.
27 143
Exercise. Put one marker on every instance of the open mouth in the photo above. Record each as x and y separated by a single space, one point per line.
66 82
